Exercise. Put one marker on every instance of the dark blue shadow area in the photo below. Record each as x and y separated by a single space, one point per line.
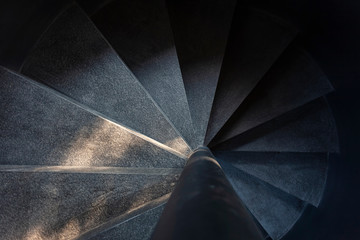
330 31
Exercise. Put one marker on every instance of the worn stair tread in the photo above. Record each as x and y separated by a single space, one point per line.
133 217
90 170
74 58
200 31
310 128
300 174
137 228
274 209
256 41
38 126
63 206
294 80
140 32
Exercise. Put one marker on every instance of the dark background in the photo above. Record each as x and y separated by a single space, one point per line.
330 31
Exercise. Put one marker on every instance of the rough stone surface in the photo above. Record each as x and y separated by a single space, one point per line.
256 41
38 127
62 206
300 174
310 128
93 170
200 31
275 210
295 79
74 58
140 32
137 228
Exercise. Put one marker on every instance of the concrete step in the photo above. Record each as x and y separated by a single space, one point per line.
93 170
256 41
39 126
275 210
136 223
300 174
200 31
49 205
294 80
140 32
139 227
310 128
74 58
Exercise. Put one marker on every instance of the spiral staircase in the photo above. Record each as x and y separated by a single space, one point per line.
110 102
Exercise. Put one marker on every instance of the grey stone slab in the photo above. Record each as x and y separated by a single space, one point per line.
98 170
295 79
119 222
63 206
74 58
137 228
274 209
256 41
200 31
300 174
310 128
40 127
140 32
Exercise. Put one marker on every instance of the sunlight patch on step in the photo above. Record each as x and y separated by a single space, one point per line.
98 144
51 208
175 144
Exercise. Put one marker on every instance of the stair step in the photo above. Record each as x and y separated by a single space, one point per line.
300 174
256 41
294 80
274 209
310 128
140 32
74 58
120 226
65 205
200 31
93 170
137 228
39 126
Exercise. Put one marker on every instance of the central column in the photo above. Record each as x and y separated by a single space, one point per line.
204 205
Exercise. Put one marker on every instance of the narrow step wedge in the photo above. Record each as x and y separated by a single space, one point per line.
200 40
40 126
50 205
294 80
140 32
255 43
302 175
74 58
274 209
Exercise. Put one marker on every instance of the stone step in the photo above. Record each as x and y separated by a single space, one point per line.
200 31
75 59
300 174
256 41
140 32
48 205
39 126
310 128
97 170
137 223
274 209
294 80
139 227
